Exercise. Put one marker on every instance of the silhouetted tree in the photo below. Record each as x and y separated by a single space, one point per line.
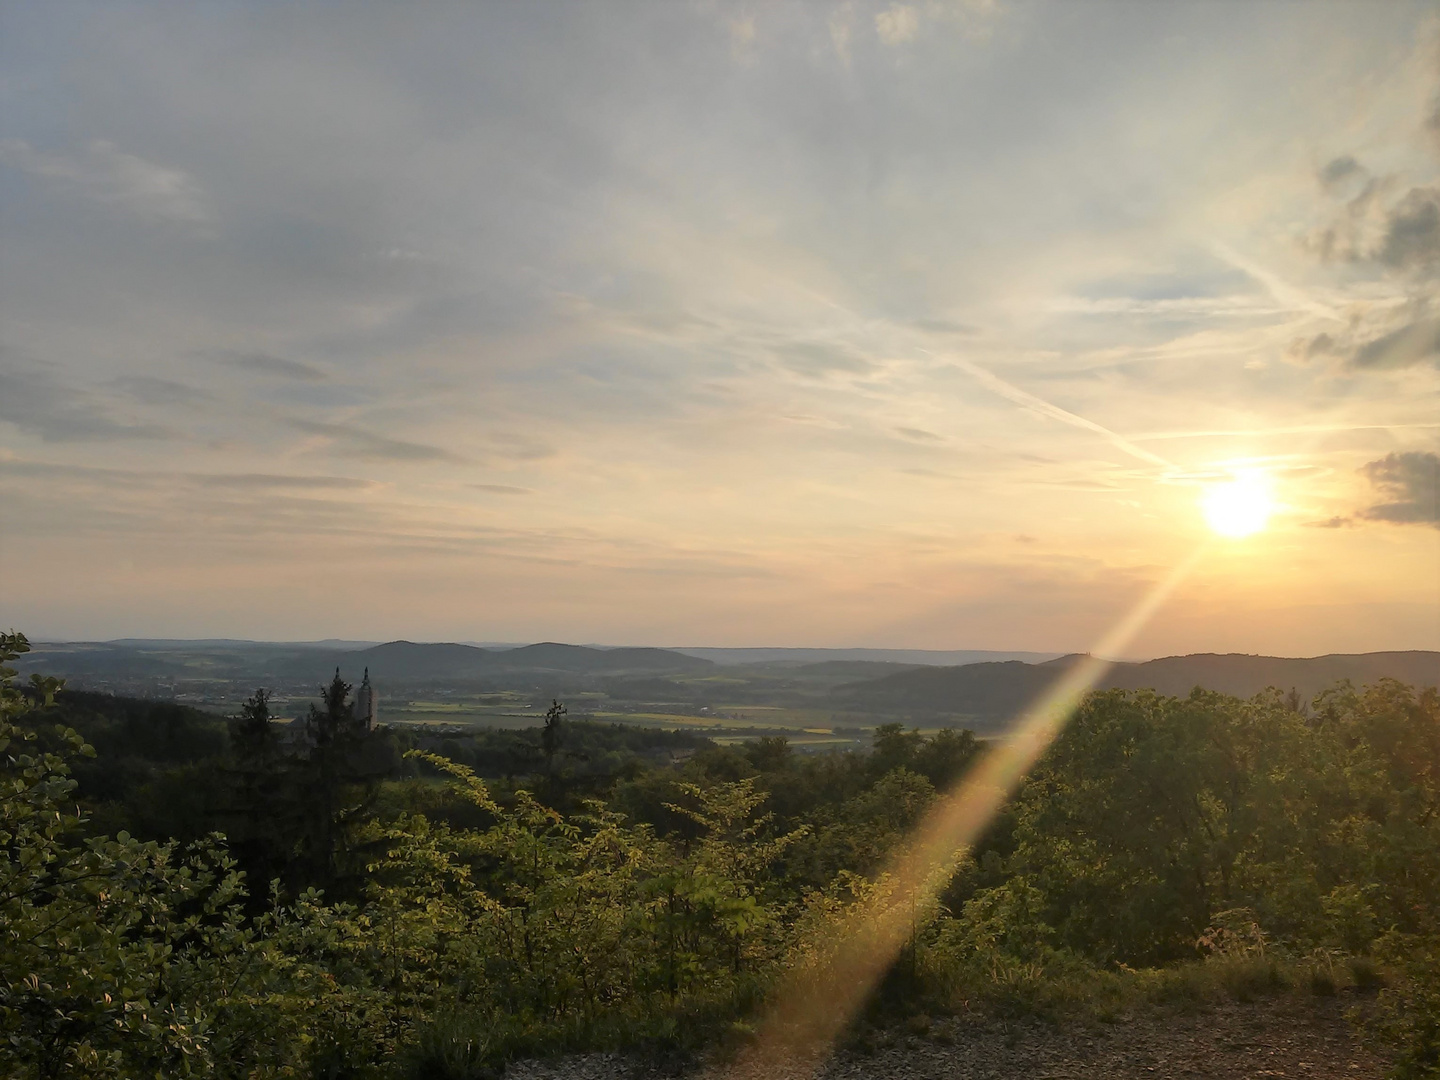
553 734
339 782
252 738
261 815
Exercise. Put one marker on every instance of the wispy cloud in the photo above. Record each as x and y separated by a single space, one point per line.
1038 405
501 489
352 440
277 482
157 391
38 404
110 175
1417 343
267 364
1284 291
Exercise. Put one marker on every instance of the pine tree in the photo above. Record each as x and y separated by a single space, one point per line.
345 764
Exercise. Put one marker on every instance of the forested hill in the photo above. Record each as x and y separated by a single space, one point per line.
393 662
410 660
998 691
1244 675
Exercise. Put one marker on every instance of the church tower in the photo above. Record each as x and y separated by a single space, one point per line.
365 703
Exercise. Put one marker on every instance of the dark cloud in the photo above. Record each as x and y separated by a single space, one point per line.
1339 170
1411 483
266 364
38 405
1331 523
358 442
1418 343
1412 232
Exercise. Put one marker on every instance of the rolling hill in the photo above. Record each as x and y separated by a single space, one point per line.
995 692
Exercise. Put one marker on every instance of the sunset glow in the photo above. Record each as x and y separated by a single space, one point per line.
880 324
752 541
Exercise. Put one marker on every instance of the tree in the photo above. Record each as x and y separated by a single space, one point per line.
552 735
101 940
261 816
252 735
339 781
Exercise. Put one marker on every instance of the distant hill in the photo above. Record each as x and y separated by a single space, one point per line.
852 670
995 692
796 657
549 656
394 661
981 692
406 661
1244 675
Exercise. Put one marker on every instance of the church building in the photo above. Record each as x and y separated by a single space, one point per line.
365 704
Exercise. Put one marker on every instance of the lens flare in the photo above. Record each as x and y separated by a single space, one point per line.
850 949
1239 507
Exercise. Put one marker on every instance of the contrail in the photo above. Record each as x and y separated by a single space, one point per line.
1278 287
1298 429
854 949
1040 405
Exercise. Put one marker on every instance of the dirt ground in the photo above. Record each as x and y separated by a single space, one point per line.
1287 1037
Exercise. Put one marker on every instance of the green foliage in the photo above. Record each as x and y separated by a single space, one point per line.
1152 815
1180 850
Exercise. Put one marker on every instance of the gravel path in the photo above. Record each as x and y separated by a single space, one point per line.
1280 1038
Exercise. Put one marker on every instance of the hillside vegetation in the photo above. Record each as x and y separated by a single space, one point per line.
375 908
419 682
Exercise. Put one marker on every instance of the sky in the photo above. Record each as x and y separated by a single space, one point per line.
921 325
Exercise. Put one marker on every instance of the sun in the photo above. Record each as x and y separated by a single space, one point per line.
1238 507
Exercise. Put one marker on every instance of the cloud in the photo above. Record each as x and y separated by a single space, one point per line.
1331 523
1027 400
502 489
1282 290
817 359
1412 343
275 481
1412 232
358 442
39 405
919 435
1339 170
897 24
108 174
155 391
1411 483
1303 350
266 364
944 326
1417 343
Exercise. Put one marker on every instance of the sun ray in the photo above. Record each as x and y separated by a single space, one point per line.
856 947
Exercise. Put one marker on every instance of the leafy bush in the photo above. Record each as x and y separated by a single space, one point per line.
1181 850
